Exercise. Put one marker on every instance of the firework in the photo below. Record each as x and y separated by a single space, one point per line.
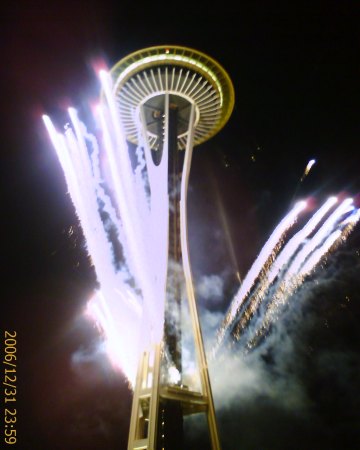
111 200
308 168
298 259
259 268
121 205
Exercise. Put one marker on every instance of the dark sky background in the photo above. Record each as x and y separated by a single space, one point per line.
295 69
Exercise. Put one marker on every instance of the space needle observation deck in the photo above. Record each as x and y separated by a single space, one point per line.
188 76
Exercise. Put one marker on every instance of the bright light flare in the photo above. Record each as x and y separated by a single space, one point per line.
119 334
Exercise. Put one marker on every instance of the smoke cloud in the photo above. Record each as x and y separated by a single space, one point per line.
303 379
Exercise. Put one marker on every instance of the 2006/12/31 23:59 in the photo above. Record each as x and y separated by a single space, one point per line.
9 383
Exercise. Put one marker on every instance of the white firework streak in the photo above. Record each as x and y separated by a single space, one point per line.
327 227
293 244
310 259
289 286
89 179
144 229
130 247
138 229
345 227
308 168
123 184
98 178
343 231
261 264
281 260
83 189
83 195
319 237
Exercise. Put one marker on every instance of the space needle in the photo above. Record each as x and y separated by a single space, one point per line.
170 99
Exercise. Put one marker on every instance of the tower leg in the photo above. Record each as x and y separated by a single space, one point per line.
199 345
143 424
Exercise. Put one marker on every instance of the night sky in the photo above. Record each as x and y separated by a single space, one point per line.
295 69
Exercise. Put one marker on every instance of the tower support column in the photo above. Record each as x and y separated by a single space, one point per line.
145 404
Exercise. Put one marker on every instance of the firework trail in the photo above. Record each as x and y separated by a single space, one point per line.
343 231
293 244
289 287
132 290
319 236
281 260
303 176
85 191
299 257
258 269
136 222
308 168
291 284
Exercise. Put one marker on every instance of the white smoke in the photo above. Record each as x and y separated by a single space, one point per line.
210 288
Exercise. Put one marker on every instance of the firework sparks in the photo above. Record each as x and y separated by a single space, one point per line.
132 291
259 268
299 258
320 235
290 285
281 261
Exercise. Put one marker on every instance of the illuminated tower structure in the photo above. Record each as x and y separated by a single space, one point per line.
178 98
